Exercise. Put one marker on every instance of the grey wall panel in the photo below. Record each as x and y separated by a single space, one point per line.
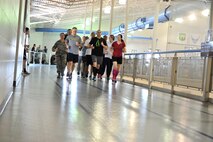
8 32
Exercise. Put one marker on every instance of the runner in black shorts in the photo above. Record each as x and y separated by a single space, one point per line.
98 45
74 43
118 48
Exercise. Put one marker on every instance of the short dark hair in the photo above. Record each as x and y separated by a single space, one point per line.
62 34
27 29
74 28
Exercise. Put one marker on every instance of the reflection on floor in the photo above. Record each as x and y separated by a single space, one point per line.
188 90
44 109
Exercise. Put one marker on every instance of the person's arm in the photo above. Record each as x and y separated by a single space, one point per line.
124 49
104 44
54 48
91 43
79 43
112 47
67 42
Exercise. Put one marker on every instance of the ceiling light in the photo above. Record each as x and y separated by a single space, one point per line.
179 20
107 9
192 17
206 12
122 2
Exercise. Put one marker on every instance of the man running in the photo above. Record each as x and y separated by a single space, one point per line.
61 55
98 44
73 42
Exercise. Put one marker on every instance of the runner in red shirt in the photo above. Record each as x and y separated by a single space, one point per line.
118 48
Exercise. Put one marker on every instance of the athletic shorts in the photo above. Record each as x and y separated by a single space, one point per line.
97 59
89 60
117 59
72 58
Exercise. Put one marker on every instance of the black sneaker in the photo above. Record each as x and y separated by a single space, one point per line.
70 75
58 75
25 73
90 77
78 73
94 79
108 78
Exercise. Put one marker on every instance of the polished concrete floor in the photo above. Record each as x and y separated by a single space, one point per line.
46 109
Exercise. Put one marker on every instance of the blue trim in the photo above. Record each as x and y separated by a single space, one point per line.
54 30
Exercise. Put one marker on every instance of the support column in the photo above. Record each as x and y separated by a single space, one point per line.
85 20
154 42
207 78
18 41
126 21
100 14
111 16
91 21
125 35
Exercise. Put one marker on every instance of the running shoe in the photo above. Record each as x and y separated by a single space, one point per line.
70 75
67 74
99 76
58 75
94 79
25 73
90 77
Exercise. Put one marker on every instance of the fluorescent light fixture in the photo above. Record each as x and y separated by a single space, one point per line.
179 20
205 12
107 9
192 17
122 2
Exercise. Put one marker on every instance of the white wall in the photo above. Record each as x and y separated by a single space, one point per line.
142 45
168 34
36 38
9 22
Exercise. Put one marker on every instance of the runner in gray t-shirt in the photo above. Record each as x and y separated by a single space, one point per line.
74 43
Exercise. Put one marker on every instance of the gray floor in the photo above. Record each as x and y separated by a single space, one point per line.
44 109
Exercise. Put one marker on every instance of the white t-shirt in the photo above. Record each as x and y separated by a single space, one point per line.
108 53
89 50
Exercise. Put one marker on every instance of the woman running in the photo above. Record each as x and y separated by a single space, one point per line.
118 48
107 63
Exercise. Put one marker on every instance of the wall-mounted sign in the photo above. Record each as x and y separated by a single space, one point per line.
182 38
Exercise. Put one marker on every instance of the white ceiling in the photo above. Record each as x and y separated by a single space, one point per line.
69 13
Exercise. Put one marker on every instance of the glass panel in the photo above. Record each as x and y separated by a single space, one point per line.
190 72
162 70
143 68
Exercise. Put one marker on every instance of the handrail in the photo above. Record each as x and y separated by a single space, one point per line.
166 52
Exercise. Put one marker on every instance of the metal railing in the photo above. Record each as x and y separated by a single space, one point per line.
168 71
38 57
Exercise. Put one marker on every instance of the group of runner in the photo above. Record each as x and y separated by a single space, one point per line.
97 53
